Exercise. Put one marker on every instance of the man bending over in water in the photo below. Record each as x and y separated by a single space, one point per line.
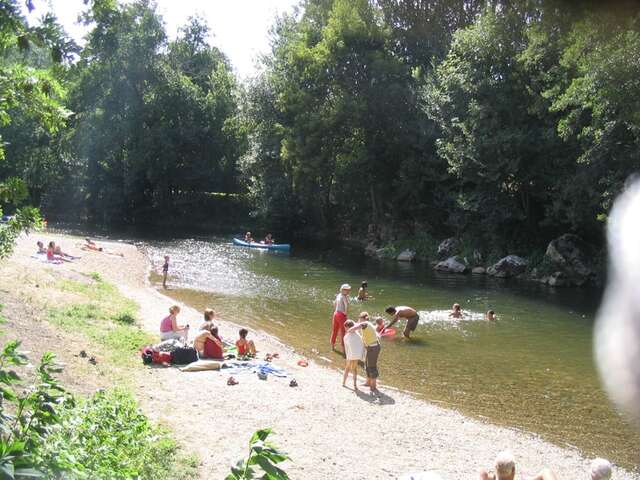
403 312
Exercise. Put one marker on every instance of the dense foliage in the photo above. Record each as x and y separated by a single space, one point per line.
46 433
506 123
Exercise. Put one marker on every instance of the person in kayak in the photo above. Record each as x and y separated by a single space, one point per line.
340 315
248 238
268 240
403 312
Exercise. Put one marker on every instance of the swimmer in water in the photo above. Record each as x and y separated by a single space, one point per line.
363 294
456 311
490 316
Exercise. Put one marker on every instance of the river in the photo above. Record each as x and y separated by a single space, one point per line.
533 369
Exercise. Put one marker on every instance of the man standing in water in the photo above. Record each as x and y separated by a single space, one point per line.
405 312
340 315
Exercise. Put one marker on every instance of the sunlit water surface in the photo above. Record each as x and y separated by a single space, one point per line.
532 369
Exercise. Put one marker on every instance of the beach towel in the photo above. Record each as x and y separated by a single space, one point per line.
267 368
202 365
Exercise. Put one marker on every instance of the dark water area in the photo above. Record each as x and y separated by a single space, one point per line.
533 369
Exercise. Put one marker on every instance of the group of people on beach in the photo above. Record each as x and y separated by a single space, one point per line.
55 254
207 342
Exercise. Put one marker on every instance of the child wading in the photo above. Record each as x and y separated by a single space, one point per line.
165 271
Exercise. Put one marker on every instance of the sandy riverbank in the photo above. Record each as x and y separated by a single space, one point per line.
329 431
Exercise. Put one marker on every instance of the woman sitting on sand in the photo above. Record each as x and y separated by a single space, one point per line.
53 256
169 328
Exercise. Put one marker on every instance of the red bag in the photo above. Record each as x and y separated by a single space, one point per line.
161 357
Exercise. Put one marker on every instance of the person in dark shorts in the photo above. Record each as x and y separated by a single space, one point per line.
372 349
403 312
165 271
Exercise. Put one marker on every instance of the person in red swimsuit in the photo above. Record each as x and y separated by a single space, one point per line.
213 347
245 347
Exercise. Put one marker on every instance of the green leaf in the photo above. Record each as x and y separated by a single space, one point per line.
260 435
273 472
7 471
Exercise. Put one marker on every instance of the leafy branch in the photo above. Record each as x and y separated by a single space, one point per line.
263 457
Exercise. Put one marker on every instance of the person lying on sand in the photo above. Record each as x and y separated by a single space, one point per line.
403 312
91 246
41 248
245 347
58 251
505 466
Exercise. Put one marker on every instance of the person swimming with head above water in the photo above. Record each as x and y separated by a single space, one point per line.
490 316
363 293
456 311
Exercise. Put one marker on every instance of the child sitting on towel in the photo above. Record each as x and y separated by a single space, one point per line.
245 347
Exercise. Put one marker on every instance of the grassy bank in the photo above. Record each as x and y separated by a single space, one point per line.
48 432
104 316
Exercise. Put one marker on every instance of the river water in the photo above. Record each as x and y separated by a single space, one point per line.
532 369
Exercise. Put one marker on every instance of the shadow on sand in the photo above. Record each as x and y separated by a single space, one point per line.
380 399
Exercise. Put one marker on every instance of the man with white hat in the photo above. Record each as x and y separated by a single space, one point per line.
340 315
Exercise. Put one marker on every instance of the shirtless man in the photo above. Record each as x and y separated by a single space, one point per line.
202 336
403 312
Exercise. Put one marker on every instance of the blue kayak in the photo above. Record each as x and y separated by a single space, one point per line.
275 246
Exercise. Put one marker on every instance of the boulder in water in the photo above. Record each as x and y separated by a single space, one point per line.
451 265
406 256
569 254
509 266
478 271
559 279
448 247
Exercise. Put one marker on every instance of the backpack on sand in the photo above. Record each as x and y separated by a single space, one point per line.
184 355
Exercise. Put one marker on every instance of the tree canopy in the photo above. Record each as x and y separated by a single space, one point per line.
506 123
